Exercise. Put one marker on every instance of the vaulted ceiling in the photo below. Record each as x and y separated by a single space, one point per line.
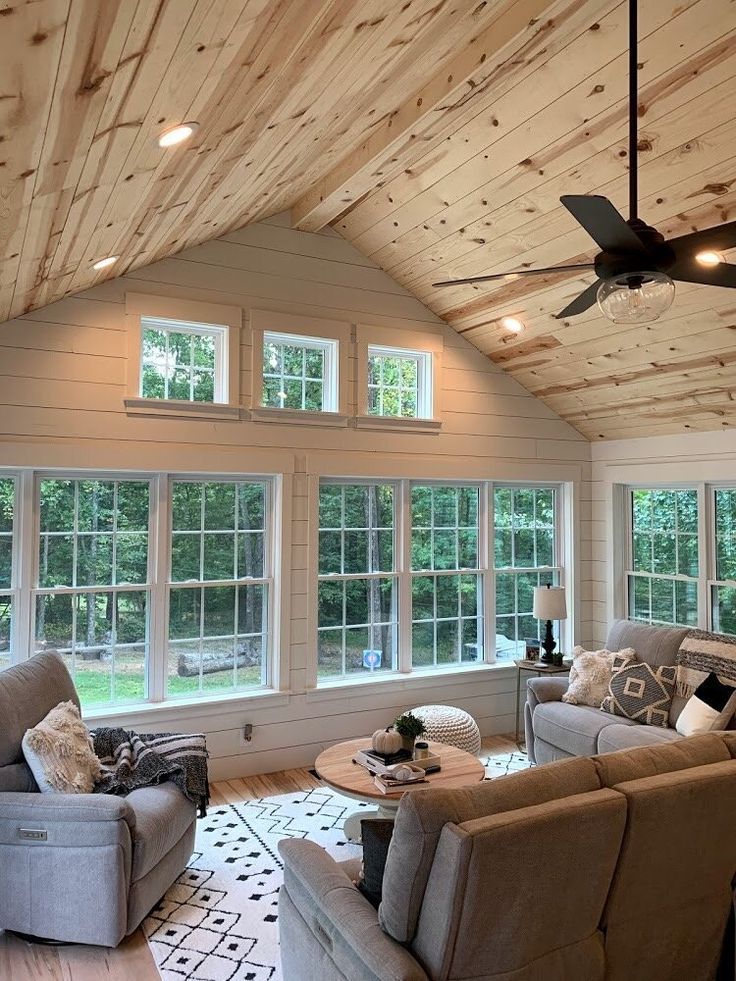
436 135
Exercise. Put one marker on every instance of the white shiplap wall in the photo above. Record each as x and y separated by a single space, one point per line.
687 458
62 383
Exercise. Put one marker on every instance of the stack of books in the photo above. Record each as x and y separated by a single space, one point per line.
388 784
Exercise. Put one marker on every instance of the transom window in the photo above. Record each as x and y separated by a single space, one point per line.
399 382
357 596
299 372
92 591
7 572
183 361
525 550
219 587
664 562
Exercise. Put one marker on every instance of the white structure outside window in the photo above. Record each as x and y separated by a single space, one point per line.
399 382
183 361
299 372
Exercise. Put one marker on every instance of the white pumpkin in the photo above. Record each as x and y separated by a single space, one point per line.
387 741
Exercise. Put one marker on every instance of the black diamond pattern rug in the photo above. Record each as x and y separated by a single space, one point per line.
219 921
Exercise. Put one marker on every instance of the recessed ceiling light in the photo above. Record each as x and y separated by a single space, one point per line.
106 262
177 134
709 258
512 324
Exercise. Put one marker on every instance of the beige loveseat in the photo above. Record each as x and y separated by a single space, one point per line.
556 730
618 867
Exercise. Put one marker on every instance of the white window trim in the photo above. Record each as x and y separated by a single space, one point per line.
303 330
197 316
427 343
329 380
424 389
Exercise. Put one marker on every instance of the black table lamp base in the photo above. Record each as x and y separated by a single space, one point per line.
549 644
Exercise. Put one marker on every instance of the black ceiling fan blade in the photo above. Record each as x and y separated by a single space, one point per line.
581 303
605 225
689 270
513 275
718 239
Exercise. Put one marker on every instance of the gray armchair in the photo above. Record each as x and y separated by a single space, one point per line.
84 868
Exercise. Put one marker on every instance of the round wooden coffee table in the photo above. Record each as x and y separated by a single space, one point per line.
336 768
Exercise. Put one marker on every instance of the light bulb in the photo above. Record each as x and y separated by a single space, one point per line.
512 324
709 258
106 262
636 298
177 134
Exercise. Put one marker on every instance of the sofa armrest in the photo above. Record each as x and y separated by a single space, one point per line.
545 690
341 916
62 816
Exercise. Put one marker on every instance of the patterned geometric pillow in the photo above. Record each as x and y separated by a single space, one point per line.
640 692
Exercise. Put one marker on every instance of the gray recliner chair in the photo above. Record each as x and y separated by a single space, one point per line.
84 868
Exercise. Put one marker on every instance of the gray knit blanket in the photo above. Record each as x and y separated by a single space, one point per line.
701 653
131 760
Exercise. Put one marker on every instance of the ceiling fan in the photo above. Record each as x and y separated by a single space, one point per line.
636 267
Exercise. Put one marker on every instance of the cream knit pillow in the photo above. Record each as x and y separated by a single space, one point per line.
590 676
59 753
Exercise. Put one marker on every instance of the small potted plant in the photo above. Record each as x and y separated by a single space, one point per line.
410 728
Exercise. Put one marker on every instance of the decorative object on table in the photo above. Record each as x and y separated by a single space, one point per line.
532 649
372 659
387 741
431 763
549 605
59 753
709 709
396 779
421 750
410 727
701 653
450 725
590 675
640 692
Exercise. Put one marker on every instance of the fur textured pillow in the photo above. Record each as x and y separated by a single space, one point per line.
590 675
59 753
641 692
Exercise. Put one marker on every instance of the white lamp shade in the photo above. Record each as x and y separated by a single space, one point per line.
549 603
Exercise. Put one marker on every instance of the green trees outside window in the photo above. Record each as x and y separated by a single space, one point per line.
7 579
723 592
299 373
182 361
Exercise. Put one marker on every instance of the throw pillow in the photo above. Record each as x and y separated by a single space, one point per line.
376 834
590 676
709 709
640 692
59 753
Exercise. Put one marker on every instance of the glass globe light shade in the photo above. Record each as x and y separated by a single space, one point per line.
636 298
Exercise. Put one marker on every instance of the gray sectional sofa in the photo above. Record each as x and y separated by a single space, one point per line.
556 730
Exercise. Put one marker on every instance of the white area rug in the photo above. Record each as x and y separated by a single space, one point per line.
219 921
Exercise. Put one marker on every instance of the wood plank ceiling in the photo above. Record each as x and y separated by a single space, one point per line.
436 135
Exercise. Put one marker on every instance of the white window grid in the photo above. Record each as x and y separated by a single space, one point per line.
415 398
201 585
274 370
90 592
9 590
718 585
541 574
165 365
372 579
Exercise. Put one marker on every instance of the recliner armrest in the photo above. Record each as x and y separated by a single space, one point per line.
342 913
61 809
546 689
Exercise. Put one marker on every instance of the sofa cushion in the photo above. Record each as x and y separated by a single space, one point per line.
162 815
590 676
640 692
422 816
28 692
573 728
59 753
655 645
17 777
659 755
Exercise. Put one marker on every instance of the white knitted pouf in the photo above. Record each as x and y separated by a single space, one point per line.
451 726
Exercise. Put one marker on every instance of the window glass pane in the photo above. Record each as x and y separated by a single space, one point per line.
396 382
295 374
6 610
178 363
725 505
7 507
724 609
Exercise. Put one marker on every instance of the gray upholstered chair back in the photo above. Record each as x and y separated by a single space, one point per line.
28 692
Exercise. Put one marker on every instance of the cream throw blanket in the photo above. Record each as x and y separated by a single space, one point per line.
700 654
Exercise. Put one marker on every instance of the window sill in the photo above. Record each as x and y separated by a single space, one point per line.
417 680
303 417
166 712
399 424
175 409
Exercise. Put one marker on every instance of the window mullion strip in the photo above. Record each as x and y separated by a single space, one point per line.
26 529
402 536
706 554
159 570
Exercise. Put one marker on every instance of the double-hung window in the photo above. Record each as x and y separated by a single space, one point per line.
183 361
300 372
219 586
399 382
723 589
664 567
93 585
357 596
7 567
526 550
446 589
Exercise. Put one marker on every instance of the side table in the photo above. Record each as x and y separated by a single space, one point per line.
533 667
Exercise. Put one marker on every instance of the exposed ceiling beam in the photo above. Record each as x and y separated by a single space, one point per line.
380 155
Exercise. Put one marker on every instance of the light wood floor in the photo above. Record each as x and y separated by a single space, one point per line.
132 960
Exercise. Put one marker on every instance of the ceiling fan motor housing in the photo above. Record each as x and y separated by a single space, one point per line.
659 256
